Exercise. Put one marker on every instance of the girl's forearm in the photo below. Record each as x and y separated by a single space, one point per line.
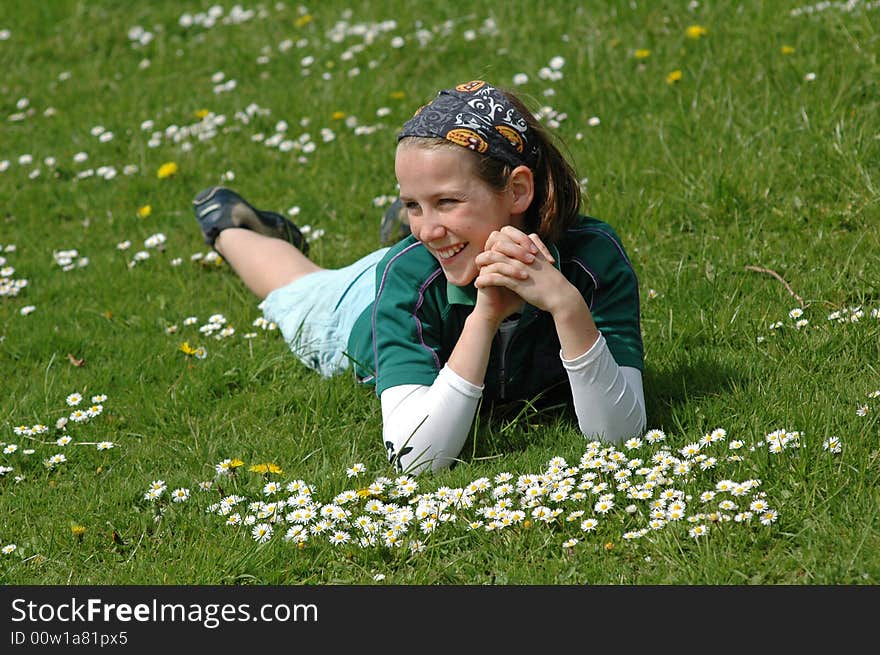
470 357
574 324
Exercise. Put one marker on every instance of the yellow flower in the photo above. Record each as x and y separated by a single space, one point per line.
642 53
167 169
303 20
187 349
201 113
673 77
696 31
364 493
398 95
787 50
144 211
338 115
609 545
78 531
266 468
235 463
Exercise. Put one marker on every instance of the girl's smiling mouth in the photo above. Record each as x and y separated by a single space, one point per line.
449 252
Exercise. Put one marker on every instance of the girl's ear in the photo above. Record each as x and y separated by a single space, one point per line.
521 185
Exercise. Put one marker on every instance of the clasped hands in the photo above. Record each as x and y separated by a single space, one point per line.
517 268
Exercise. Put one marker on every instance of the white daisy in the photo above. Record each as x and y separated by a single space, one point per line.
262 532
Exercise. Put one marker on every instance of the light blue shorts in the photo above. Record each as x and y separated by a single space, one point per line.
317 312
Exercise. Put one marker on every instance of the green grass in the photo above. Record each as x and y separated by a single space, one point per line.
745 162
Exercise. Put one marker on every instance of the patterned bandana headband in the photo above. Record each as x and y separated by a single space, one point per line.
479 117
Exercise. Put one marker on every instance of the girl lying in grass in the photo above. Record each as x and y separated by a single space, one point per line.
501 291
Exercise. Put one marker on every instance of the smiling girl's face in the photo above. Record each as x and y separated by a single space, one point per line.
451 210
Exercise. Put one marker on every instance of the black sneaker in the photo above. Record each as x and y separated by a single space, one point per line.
218 208
395 224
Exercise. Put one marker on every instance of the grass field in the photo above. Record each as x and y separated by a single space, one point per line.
735 147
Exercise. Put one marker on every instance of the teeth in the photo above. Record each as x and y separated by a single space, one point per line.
446 253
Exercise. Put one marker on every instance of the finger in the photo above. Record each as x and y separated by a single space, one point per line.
494 279
510 235
507 250
496 257
520 237
542 248
511 269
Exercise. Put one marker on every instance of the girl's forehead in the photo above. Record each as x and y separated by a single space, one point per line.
439 156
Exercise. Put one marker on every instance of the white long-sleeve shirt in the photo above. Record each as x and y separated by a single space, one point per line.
426 426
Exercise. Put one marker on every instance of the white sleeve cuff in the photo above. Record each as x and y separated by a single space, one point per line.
455 381
592 354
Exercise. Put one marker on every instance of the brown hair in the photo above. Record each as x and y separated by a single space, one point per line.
557 199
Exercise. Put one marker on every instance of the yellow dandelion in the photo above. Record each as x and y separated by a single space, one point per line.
235 463
144 211
787 50
696 31
266 468
78 531
166 170
364 493
201 113
338 115
398 95
642 53
303 20
609 545
187 349
674 76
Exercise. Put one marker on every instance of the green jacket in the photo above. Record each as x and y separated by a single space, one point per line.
406 335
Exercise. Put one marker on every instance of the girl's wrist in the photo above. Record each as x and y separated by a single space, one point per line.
566 302
483 321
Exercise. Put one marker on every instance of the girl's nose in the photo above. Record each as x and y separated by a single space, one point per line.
430 229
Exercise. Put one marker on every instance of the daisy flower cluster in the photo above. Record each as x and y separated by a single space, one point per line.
849 6
157 490
217 327
342 51
70 259
552 72
152 242
853 314
52 444
866 408
216 14
9 285
211 259
630 492
797 319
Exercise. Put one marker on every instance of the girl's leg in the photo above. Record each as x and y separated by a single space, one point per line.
263 263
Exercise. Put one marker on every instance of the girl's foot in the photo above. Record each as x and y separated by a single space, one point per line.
218 208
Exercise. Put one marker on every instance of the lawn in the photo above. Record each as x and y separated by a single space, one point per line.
156 430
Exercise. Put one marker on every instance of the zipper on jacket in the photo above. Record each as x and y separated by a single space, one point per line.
503 366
